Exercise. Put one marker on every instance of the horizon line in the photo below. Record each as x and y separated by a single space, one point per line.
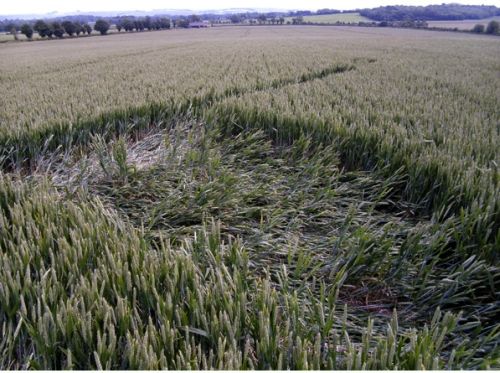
117 12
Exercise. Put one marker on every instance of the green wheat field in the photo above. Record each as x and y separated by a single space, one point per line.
251 198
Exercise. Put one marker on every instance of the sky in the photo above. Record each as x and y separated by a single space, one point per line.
8 7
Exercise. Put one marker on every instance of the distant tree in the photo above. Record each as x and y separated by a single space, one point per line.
281 20
50 31
27 30
479 29
119 26
101 26
148 24
12 28
194 18
298 20
262 18
69 27
493 27
86 28
58 29
127 24
139 25
42 28
164 23
235 18
78 29
182 23
327 11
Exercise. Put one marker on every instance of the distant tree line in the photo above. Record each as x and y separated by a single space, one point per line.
404 24
328 11
492 28
57 29
125 22
140 24
443 12
7 25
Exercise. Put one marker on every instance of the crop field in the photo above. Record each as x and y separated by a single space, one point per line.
334 18
466 24
251 198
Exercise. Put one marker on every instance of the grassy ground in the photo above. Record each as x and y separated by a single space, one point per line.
334 18
307 206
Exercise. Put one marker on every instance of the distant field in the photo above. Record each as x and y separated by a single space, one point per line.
5 37
334 18
9 37
466 24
